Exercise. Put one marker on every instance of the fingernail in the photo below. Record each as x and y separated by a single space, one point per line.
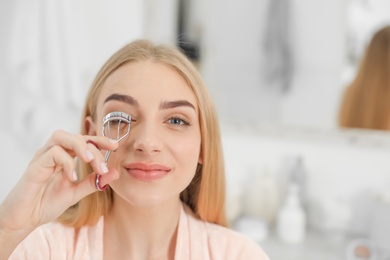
112 141
89 155
104 168
74 175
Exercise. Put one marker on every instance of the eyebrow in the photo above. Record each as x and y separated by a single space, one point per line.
164 105
123 98
176 103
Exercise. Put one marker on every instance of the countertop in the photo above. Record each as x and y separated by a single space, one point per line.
315 247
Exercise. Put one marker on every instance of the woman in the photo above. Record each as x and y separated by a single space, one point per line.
165 198
366 101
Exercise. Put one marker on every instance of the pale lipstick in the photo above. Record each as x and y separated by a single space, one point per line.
146 171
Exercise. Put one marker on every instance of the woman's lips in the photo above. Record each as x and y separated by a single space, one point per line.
147 172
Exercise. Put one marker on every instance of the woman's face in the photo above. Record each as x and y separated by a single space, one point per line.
158 159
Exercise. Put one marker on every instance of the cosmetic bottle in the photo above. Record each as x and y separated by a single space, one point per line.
291 220
261 197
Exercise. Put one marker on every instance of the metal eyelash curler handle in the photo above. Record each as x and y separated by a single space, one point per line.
112 120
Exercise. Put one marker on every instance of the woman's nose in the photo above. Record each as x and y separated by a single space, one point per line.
146 139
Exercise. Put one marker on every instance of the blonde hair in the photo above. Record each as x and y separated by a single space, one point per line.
366 102
206 193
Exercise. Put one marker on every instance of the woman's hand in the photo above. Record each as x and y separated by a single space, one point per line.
50 186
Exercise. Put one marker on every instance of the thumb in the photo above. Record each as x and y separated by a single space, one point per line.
88 184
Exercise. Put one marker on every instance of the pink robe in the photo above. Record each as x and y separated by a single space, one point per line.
196 239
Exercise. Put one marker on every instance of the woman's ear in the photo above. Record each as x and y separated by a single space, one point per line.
90 126
200 160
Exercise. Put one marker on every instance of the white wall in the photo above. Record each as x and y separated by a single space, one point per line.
50 53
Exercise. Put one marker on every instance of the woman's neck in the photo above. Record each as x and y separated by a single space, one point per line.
141 232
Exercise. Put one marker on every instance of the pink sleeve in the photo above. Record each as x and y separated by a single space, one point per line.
50 241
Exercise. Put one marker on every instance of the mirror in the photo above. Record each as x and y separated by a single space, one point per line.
294 79
283 63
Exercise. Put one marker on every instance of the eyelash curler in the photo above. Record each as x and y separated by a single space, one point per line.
116 126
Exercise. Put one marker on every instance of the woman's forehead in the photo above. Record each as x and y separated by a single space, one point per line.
148 80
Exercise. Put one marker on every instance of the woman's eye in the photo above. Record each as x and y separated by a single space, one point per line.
115 129
177 121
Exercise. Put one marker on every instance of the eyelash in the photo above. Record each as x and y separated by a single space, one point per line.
182 120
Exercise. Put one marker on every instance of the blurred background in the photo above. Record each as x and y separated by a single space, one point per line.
298 184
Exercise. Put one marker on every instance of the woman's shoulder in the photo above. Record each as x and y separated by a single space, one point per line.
226 243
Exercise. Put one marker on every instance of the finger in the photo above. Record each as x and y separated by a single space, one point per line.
107 178
55 159
64 162
98 163
88 186
76 145
101 142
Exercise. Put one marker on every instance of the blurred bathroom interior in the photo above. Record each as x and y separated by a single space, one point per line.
297 184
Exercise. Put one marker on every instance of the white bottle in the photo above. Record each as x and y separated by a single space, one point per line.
261 196
291 221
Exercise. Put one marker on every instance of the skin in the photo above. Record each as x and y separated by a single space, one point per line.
164 125
143 221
